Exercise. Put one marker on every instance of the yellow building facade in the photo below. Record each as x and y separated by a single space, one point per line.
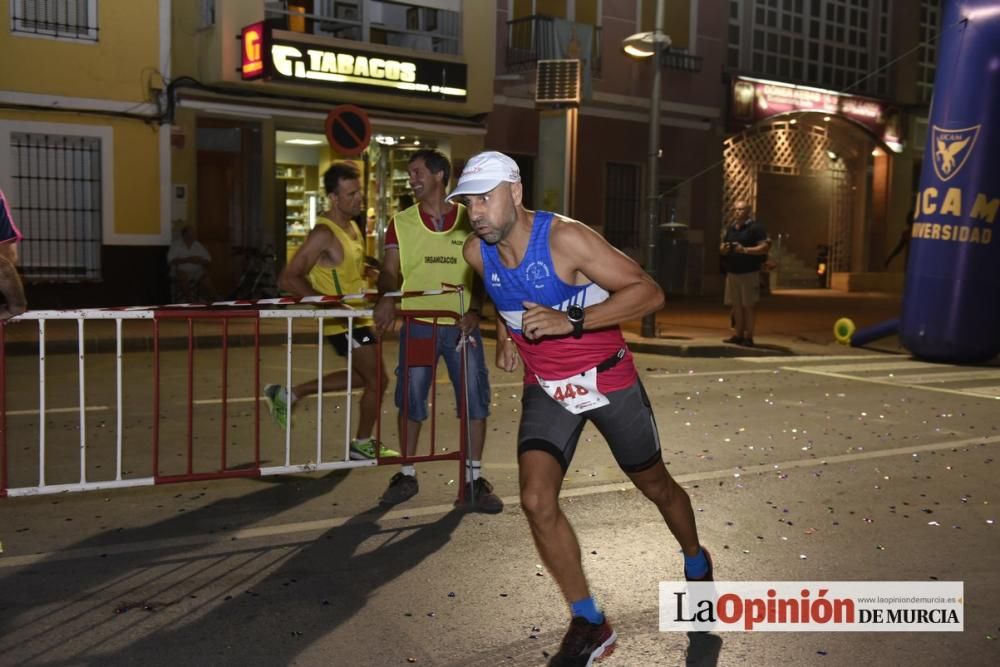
84 152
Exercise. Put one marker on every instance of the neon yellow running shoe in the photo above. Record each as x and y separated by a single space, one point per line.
276 398
365 449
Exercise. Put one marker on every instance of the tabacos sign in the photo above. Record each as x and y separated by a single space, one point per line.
265 55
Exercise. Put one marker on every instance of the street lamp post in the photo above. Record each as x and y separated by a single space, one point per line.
643 45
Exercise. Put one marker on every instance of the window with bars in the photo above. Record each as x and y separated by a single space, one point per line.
57 202
65 19
622 192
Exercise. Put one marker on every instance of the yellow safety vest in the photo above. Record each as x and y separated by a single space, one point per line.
348 278
428 258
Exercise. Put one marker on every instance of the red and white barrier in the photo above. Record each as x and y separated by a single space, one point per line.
225 314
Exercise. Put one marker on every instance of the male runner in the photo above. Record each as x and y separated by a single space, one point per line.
331 261
561 291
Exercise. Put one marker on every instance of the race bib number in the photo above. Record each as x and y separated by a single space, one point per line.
577 394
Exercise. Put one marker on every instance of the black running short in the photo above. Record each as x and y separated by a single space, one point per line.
362 336
627 424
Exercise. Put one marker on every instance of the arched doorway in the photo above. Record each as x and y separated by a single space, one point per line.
808 177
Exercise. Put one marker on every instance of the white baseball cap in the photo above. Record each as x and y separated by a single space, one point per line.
483 172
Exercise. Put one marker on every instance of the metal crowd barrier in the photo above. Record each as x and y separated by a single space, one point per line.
93 461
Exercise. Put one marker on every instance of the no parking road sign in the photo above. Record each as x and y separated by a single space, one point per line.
348 130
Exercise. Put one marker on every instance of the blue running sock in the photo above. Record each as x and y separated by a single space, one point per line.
587 608
696 566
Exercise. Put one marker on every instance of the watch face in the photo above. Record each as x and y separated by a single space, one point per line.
574 313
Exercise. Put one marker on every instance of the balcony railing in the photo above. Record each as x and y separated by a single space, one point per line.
680 60
533 38
394 24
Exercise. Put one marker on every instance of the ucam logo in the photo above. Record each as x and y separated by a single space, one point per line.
952 148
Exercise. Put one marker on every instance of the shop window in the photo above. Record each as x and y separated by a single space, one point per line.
621 205
63 19
57 202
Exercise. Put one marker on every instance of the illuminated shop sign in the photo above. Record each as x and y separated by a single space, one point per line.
336 67
253 40
754 100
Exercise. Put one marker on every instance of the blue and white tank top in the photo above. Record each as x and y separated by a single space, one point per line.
535 280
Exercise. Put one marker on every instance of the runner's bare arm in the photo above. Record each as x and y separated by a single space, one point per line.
507 354
580 254
472 254
506 351
320 241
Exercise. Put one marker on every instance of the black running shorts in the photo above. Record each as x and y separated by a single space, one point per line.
362 336
627 424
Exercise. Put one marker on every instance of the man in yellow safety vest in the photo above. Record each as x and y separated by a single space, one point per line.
423 247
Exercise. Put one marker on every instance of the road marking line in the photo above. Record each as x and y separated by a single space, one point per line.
897 385
249 399
433 510
680 375
876 366
958 376
809 359
991 392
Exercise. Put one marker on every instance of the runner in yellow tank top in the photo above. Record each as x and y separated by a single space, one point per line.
348 277
329 262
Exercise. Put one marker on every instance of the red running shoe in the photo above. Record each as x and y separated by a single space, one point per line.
584 643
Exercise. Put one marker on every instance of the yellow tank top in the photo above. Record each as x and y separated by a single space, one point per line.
427 259
348 278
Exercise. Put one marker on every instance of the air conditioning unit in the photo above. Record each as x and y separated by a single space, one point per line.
558 82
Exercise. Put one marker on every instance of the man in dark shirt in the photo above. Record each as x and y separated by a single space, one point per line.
744 249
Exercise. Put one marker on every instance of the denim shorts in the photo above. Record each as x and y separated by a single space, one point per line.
420 376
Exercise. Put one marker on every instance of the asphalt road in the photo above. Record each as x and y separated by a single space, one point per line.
867 466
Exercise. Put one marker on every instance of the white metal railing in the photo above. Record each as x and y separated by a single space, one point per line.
225 312
83 482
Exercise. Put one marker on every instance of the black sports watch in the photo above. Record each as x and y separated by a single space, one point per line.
575 316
